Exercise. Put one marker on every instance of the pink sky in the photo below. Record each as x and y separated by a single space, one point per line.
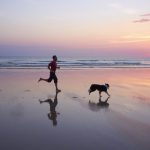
109 28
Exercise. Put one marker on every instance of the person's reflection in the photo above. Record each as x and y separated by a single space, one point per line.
101 104
52 115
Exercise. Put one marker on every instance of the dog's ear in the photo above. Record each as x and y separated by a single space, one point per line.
106 84
89 91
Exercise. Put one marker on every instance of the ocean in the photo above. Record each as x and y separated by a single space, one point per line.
71 63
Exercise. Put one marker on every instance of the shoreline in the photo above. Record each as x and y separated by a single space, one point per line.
84 68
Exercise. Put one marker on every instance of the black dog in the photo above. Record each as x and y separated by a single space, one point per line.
100 88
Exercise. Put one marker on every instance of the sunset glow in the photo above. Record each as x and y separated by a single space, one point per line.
100 27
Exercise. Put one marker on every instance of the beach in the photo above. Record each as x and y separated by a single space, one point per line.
80 121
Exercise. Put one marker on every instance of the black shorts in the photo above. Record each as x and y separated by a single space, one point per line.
52 77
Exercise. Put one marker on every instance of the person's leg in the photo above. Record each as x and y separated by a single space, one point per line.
47 80
42 79
57 90
56 83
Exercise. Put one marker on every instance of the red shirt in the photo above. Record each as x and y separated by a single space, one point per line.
53 65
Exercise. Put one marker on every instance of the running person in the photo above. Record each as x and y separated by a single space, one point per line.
52 66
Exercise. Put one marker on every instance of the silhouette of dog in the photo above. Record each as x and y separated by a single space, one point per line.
100 88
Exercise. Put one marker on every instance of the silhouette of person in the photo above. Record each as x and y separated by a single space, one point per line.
101 104
52 115
52 66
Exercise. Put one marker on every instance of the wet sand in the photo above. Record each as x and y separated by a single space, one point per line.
33 117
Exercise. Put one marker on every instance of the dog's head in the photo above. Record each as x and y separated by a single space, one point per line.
92 88
107 85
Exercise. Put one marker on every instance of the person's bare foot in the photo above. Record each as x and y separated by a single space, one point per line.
57 91
39 80
40 101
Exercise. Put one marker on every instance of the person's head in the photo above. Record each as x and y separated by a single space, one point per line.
54 57
55 122
53 117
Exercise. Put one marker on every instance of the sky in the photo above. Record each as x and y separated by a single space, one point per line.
92 28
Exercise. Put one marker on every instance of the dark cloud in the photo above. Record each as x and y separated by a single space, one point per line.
141 20
146 18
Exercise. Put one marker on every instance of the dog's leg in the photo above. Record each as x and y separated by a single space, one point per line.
107 93
107 99
100 94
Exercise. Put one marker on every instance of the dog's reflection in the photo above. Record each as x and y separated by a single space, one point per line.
100 104
52 115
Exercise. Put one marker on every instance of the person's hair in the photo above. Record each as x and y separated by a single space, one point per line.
54 56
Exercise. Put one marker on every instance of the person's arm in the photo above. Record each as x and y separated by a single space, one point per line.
58 67
49 66
43 101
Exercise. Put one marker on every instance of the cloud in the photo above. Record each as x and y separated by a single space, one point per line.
115 5
121 8
143 20
128 41
130 11
146 18
145 15
136 37
132 39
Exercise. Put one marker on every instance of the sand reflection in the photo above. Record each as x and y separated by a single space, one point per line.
96 106
52 115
